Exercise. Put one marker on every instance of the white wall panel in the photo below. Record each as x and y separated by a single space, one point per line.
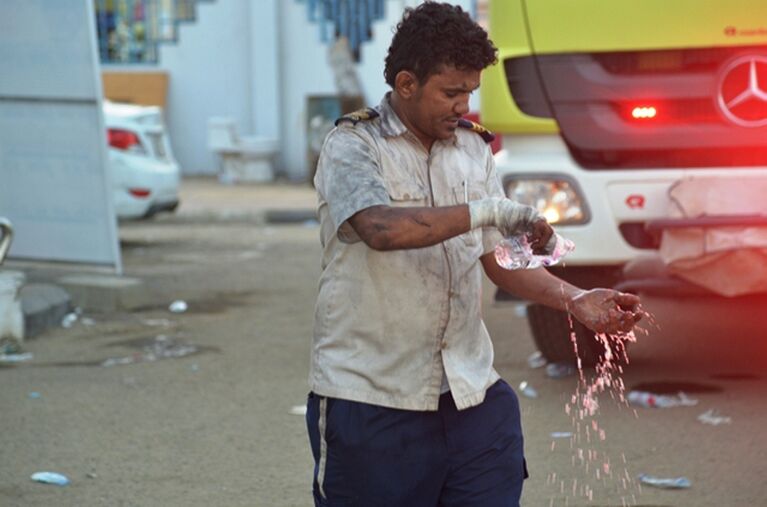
54 183
45 50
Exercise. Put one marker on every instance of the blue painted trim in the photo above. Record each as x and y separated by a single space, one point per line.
352 19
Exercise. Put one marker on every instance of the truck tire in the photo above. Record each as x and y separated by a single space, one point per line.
551 333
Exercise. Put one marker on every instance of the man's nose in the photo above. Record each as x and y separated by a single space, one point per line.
461 107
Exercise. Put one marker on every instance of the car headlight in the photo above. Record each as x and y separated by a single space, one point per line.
558 200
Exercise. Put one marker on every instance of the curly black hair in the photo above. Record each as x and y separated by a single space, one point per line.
435 34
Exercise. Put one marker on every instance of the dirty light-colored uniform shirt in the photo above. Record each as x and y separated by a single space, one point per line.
389 325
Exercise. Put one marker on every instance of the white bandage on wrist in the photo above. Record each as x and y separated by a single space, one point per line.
509 217
482 212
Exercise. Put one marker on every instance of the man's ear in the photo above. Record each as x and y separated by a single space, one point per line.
405 84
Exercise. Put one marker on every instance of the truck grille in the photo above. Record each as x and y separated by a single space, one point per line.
592 97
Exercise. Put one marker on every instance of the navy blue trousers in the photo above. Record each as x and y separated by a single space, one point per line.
367 456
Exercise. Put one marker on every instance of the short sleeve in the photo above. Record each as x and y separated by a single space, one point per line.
349 177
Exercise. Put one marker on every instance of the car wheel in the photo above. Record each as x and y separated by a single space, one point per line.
552 335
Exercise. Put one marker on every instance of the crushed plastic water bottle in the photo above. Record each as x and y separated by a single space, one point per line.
560 370
515 253
69 320
50 478
528 390
670 483
16 358
536 360
713 418
651 400
178 306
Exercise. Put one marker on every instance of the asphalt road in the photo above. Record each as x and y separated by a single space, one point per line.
215 427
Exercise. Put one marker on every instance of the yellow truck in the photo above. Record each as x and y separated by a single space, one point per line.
604 105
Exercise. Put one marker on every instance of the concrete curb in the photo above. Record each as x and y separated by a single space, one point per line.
105 293
43 303
289 216
44 306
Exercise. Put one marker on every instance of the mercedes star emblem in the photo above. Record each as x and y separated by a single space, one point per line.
742 91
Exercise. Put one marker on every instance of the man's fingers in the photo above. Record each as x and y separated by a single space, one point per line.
628 320
626 301
540 236
613 312
627 323
619 321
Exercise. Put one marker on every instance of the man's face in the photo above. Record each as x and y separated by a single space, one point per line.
436 105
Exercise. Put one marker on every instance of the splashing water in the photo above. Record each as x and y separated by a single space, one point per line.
595 465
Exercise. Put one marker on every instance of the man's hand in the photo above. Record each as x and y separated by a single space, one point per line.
512 218
606 310
542 238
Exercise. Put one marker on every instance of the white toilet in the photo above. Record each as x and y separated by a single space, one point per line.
11 316
242 159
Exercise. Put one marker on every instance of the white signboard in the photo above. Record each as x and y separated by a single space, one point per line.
55 186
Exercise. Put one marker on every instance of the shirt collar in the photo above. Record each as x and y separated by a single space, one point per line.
392 126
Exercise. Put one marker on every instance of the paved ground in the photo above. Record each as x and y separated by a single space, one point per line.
215 428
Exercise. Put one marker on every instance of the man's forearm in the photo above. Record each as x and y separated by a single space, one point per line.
536 285
601 310
390 228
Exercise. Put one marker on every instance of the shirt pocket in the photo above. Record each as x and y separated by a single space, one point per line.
462 194
405 193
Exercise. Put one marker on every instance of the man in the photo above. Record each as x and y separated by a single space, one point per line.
406 408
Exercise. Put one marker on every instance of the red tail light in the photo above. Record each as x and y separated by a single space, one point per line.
141 193
124 140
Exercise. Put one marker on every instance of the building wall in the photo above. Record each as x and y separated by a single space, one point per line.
258 62
265 68
209 75
305 72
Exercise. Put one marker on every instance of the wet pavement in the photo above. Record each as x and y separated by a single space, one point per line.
152 407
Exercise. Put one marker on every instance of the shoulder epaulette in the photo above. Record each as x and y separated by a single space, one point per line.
485 134
359 115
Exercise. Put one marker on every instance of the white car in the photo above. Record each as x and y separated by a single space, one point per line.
145 175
